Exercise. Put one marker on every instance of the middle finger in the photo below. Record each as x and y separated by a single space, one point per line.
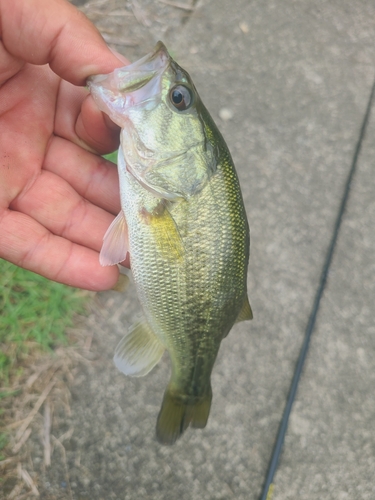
91 176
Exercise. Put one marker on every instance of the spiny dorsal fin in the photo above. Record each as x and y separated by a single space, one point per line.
139 351
245 312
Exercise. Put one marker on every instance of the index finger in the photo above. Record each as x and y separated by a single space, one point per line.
55 32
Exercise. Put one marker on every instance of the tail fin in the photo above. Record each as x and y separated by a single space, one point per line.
178 411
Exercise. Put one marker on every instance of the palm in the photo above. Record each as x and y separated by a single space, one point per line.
57 197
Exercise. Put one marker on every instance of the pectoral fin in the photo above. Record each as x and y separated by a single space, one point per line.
115 242
245 312
139 351
167 237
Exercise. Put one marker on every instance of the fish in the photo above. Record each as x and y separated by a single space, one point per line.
184 224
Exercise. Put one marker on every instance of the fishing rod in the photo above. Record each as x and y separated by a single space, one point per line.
268 487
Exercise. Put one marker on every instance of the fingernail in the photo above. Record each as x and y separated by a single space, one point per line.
119 56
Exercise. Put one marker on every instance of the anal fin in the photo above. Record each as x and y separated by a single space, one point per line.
139 351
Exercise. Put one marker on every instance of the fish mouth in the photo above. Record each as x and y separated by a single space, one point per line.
132 85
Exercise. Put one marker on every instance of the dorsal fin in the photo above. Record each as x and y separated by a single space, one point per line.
245 312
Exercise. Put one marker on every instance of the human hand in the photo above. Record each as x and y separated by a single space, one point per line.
57 196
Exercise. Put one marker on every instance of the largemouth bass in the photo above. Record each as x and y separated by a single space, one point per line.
184 225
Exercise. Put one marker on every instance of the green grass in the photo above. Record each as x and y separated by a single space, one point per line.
111 157
34 313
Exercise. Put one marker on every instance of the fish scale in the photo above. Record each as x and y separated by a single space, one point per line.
188 234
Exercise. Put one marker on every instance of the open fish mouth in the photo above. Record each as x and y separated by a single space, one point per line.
132 85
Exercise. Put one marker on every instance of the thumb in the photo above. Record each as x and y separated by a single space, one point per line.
54 32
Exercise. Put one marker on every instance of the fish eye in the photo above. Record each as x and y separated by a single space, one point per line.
181 97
